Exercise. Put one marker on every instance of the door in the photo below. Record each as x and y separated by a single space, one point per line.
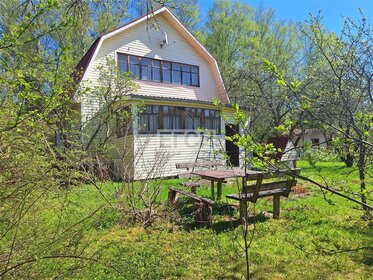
231 149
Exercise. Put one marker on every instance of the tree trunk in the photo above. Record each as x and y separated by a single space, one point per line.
361 165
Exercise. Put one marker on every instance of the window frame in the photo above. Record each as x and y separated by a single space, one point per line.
182 113
194 70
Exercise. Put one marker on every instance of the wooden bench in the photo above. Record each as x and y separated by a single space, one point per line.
264 189
203 206
194 181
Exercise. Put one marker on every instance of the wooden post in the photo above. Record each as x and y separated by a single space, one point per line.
219 187
212 190
203 213
193 189
173 196
276 206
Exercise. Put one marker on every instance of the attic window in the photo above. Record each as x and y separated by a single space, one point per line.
156 70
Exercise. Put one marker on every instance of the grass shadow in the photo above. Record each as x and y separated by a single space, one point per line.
224 216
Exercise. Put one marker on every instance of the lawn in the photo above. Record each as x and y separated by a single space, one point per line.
315 238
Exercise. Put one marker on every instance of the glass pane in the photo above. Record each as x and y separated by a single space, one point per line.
176 77
207 112
186 68
145 69
166 65
176 66
166 72
156 74
195 80
153 123
134 60
188 123
122 62
166 122
143 123
195 69
197 122
156 71
176 122
148 109
186 78
165 109
135 71
155 109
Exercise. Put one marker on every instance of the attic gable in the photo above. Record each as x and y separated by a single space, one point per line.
86 63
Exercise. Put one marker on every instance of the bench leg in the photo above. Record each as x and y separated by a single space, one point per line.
276 206
193 189
173 197
243 209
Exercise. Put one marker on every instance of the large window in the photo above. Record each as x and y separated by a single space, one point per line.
193 118
149 120
168 118
212 119
171 117
149 69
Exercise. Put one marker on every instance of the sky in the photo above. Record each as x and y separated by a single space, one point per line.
298 10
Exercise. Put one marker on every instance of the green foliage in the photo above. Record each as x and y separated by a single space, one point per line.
312 155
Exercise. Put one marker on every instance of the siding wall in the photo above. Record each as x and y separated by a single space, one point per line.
157 154
123 156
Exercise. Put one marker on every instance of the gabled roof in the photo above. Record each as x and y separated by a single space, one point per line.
85 63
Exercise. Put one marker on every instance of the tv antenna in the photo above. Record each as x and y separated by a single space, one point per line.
165 40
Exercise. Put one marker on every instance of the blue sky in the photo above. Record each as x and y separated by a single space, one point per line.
298 10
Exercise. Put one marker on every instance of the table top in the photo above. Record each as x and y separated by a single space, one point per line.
222 174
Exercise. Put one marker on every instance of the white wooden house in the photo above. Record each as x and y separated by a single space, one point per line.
177 79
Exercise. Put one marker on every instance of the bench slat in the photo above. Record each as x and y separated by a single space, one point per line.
271 186
194 196
277 174
261 194
194 183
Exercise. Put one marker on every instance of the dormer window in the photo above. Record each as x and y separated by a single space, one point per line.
149 69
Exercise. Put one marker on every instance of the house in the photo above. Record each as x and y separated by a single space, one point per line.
312 136
177 79
286 154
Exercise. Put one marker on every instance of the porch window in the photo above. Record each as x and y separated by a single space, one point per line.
149 120
170 117
193 118
212 120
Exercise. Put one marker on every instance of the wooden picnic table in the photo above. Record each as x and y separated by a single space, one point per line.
220 175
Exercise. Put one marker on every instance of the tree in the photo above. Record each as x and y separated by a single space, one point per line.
241 38
344 67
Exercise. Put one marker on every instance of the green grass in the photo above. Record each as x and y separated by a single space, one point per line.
310 241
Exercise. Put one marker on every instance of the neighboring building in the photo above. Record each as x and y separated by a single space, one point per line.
286 154
313 136
177 79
